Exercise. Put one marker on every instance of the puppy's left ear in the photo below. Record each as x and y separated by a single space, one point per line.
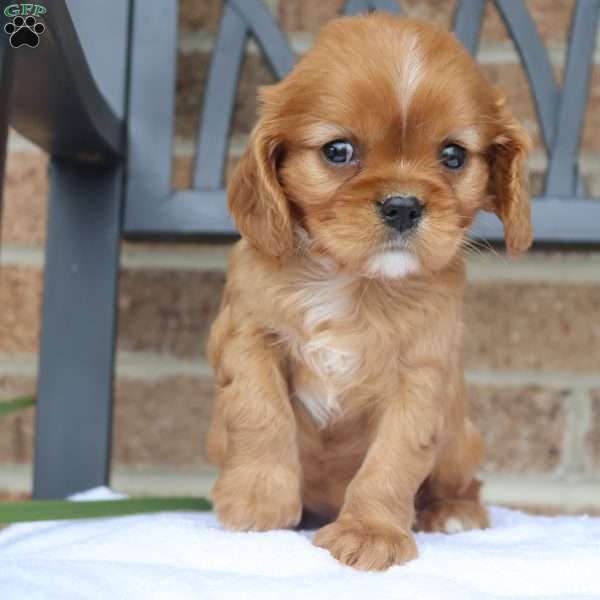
508 181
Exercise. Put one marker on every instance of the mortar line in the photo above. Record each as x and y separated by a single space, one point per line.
158 470
145 479
150 365
574 270
129 365
203 258
571 380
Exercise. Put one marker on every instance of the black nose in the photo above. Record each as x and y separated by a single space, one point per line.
401 212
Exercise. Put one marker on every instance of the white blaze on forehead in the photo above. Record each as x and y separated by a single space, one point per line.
393 264
411 73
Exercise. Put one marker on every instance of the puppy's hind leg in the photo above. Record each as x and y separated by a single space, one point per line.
449 501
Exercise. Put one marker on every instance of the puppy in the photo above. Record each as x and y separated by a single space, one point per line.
337 350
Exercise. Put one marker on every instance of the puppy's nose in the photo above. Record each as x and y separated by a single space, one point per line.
401 212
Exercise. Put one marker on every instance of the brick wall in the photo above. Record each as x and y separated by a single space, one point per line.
533 345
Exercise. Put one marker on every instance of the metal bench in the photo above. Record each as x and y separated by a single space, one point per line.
98 95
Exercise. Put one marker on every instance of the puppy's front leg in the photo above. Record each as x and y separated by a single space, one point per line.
253 437
373 529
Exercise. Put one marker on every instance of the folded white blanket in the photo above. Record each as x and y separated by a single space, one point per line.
178 556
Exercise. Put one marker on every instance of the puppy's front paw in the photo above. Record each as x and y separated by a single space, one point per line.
258 499
452 516
370 548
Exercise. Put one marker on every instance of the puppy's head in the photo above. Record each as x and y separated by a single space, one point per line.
379 148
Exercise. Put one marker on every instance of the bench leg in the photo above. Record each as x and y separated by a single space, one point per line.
6 86
75 377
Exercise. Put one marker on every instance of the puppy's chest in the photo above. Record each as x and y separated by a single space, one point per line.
327 351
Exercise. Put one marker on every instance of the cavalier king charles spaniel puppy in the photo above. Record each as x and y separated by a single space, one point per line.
338 347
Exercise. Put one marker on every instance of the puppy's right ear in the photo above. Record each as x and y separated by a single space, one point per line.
256 199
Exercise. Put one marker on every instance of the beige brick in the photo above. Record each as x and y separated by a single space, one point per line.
166 423
593 437
591 124
183 171
552 17
167 312
311 15
20 299
17 429
524 428
194 15
439 12
308 15
25 194
162 422
191 79
192 70
205 15
159 311
532 326
509 325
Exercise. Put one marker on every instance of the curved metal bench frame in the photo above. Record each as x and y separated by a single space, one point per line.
562 214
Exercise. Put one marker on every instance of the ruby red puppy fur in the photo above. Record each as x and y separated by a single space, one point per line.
338 346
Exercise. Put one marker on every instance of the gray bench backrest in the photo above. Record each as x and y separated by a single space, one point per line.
563 213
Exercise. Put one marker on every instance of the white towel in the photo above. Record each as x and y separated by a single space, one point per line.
177 556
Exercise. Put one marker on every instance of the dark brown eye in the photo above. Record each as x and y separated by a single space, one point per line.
338 152
453 156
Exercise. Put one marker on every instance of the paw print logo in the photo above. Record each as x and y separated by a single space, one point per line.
24 32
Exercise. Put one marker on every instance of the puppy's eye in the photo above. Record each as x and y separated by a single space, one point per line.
453 156
338 152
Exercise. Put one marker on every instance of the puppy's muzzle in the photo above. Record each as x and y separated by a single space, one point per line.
401 212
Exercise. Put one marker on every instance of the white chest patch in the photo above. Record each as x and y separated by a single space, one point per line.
321 402
393 264
325 301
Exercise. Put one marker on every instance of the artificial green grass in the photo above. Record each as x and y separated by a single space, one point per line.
10 406
55 510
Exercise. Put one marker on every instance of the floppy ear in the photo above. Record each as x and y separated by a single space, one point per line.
257 201
508 181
